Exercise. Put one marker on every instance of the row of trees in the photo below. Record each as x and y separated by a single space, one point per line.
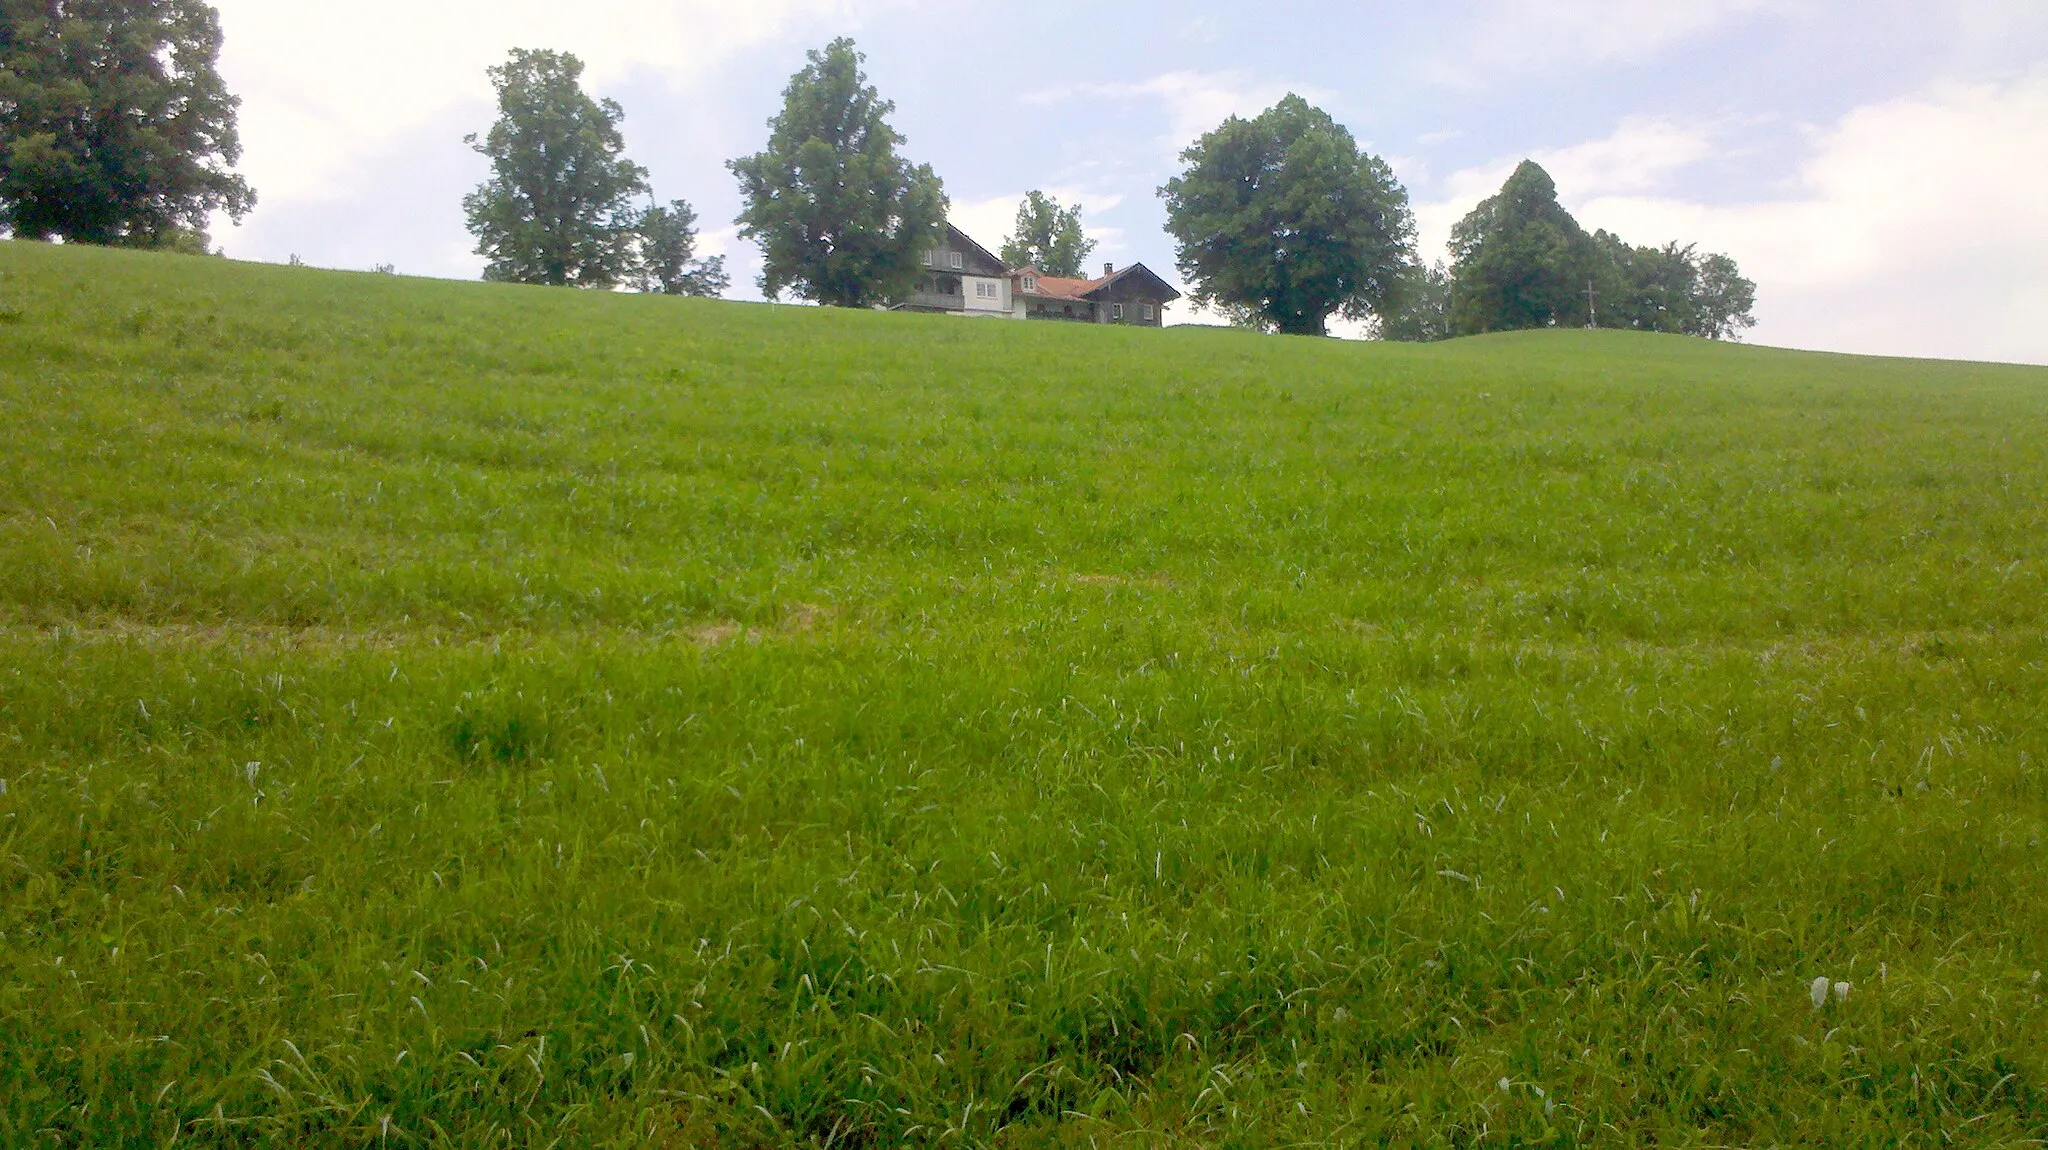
1521 261
115 128
562 206
840 216
1283 221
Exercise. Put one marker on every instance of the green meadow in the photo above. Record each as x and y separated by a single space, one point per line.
443 714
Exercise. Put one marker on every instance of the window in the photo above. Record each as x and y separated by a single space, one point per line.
1031 283
1116 311
958 261
931 258
986 290
1149 312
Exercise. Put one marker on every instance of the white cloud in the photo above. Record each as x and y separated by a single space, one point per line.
1520 36
1642 155
1913 227
1194 102
723 241
327 85
1919 228
990 221
1995 33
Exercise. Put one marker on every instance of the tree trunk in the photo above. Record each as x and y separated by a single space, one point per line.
1315 325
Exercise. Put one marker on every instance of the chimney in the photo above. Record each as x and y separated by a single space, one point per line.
1108 270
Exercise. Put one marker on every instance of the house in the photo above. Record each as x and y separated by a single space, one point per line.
1134 296
963 278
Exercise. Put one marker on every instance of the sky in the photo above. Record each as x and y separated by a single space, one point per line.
1878 167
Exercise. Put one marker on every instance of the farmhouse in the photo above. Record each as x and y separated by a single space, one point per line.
963 278
1133 296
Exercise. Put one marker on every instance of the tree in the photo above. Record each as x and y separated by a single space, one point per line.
1643 289
1722 300
1521 261
1421 311
115 127
1673 289
668 249
841 218
1287 217
1049 238
559 206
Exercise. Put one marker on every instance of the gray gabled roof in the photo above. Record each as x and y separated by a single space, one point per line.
959 239
1166 290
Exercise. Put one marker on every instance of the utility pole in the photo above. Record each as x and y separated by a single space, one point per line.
1592 306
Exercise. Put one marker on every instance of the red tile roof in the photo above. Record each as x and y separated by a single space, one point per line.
1052 287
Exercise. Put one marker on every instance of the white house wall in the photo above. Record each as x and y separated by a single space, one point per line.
971 287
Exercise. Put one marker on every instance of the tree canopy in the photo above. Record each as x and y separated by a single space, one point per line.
668 250
1723 301
1049 237
1674 289
115 126
840 217
1421 311
1286 218
560 205
1521 261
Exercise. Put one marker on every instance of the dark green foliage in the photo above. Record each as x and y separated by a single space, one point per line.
1673 289
1284 217
115 127
1521 261
1722 300
841 218
438 714
559 206
1643 289
187 242
1421 310
668 251
1049 237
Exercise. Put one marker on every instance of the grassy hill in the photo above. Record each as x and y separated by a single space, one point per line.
440 714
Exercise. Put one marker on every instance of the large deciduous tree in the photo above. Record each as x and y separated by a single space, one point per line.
1672 289
1049 237
1723 301
1286 218
841 218
1521 261
560 206
668 251
115 127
